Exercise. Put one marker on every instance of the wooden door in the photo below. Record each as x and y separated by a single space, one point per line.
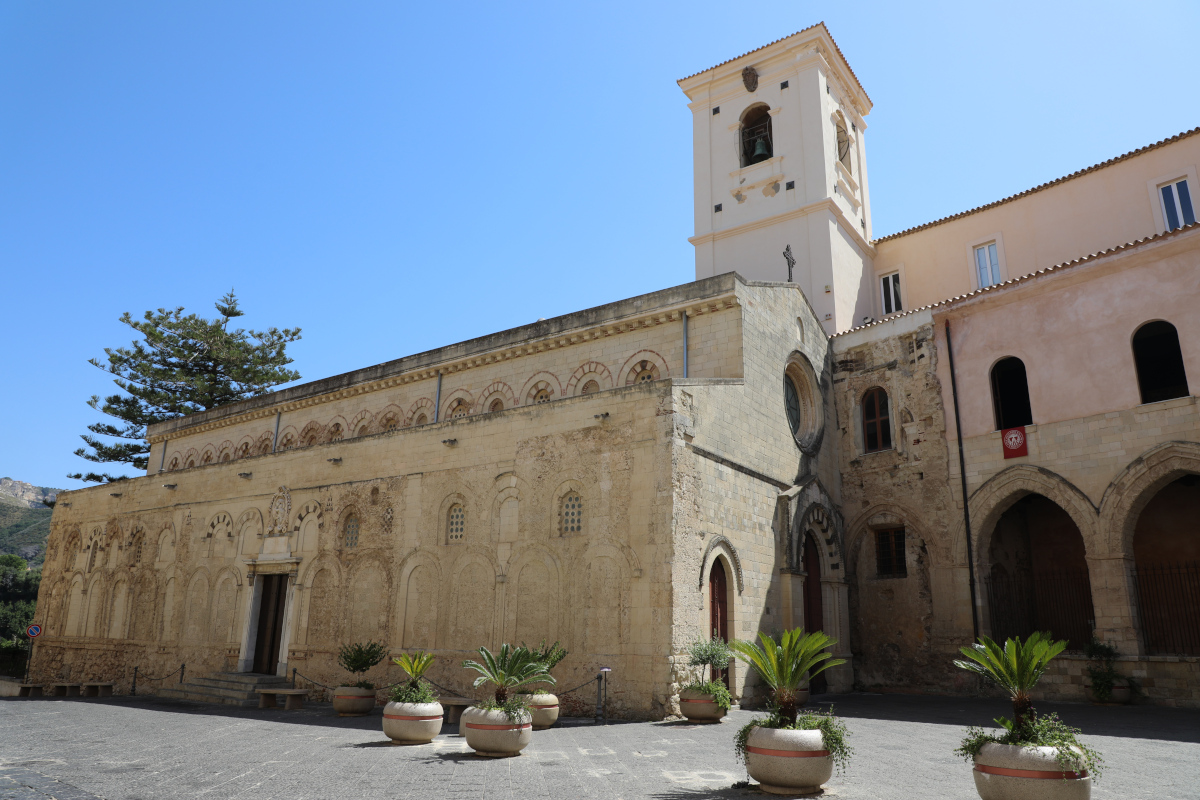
718 609
814 613
270 623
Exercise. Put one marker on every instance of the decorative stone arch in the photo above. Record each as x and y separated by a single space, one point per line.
95 600
627 376
1004 489
166 545
807 382
454 399
214 620
175 461
389 413
135 545
538 381
470 522
116 625
556 499
192 611
225 451
208 455
339 533
586 607
249 523
552 598
880 516
220 526
312 433
191 458
628 556
589 371
244 447
265 442
422 405
1128 494
304 585
311 507
289 438
418 557
337 429
74 612
496 390
825 526
363 423
720 547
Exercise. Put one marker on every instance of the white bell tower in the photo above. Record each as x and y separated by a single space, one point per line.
779 161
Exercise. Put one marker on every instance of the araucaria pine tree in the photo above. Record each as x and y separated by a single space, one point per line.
183 364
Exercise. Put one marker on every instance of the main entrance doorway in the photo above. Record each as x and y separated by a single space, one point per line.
814 614
718 610
272 597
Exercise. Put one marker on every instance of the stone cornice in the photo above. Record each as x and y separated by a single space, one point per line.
825 203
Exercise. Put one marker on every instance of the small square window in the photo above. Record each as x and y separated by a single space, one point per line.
716 110
716 208
987 265
1177 204
889 553
889 290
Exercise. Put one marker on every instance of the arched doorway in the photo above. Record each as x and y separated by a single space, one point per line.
1166 553
718 611
1038 579
814 612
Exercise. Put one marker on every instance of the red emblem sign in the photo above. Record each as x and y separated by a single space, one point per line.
1015 443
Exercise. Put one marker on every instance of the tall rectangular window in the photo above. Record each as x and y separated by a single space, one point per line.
889 553
987 264
889 288
1177 205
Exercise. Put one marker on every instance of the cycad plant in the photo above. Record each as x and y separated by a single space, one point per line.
414 690
786 664
1016 668
509 670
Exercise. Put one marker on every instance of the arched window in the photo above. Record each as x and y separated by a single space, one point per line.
350 532
460 409
791 400
390 422
456 524
421 419
288 442
1159 362
570 514
591 387
191 463
92 557
243 450
843 143
643 372
1010 394
363 430
208 457
757 144
877 425
335 432
496 405
542 396
174 465
137 550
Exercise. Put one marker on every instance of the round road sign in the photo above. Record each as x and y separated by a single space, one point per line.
34 631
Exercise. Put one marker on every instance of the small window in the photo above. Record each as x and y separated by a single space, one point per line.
877 426
1010 394
137 551
1177 205
455 524
987 265
191 463
350 532
390 422
335 432
843 144
244 450
174 465
1159 362
570 515
363 430
591 387
496 405
889 554
207 459
541 396
889 290
756 136
288 442
460 410
92 557
643 372
421 419
225 456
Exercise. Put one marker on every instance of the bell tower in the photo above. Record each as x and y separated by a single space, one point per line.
779 162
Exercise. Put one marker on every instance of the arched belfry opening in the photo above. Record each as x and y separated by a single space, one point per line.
1037 574
757 141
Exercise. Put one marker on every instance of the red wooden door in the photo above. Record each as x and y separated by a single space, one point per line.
718 608
814 614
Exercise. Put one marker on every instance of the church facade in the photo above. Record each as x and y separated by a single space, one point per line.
786 441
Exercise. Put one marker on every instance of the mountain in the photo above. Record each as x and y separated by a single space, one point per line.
19 493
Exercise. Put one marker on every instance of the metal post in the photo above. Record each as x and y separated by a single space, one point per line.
28 659
293 677
604 707
133 688
182 667
599 697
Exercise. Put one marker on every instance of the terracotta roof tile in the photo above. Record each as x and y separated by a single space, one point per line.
777 41
1040 187
1023 278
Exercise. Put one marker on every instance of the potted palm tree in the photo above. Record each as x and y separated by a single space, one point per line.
788 752
502 726
358 698
543 706
414 715
1032 756
701 700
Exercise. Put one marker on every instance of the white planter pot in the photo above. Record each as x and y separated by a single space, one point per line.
699 706
543 707
412 723
787 761
351 701
493 734
1011 772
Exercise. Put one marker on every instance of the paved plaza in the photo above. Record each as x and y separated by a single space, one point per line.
145 748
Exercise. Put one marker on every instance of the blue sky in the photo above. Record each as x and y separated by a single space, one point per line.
393 177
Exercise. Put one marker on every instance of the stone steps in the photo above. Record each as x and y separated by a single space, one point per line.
226 688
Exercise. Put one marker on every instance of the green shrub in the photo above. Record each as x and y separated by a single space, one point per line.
833 732
359 657
1103 671
413 692
719 692
1043 731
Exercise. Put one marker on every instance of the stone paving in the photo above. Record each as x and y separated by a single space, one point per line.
142 748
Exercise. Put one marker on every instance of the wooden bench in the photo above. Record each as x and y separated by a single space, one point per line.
292 698
96 689
29 690
64 689
454 707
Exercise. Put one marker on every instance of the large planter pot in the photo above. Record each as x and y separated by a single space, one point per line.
351 701
788 761
543 708
412 723
1012 772
1120 695
493 734
699 706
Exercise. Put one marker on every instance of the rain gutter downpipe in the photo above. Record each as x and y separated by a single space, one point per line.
275 439
437 402
685 343
962 473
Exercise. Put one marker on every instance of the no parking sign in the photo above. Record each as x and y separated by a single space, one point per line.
34 631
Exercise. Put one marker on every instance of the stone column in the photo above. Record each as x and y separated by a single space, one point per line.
1114 600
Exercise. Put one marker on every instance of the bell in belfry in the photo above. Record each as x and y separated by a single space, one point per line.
761 151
